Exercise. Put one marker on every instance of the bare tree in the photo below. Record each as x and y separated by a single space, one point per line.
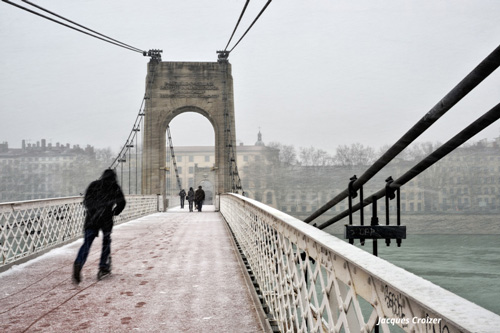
314 157
288 155
355 154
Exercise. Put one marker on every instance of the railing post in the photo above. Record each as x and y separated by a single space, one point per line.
373 223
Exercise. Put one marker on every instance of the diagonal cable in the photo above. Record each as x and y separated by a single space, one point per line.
251 25
79 25
477 126
68 26
471 81
238 23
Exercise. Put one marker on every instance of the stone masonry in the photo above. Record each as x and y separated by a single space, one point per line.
173 88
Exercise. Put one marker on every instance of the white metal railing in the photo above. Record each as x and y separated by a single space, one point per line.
28 228
314 282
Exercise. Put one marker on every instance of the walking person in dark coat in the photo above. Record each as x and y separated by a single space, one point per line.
182 194
190 198
103 200
199 197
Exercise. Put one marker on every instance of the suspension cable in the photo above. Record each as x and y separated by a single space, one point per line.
238 23
476 76
251 25
109 40
477 126
79 25
230 163
138 119
171 145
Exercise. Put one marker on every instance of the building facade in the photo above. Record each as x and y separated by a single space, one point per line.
467 180
42 170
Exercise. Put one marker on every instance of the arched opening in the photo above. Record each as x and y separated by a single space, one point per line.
178 87
193 139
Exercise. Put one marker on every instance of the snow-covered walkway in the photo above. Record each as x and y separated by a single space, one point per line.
172 272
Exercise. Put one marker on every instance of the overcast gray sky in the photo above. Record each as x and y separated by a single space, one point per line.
310 73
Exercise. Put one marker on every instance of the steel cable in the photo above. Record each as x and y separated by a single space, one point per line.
108 40
79 25
237 24
251 25
481 123
476 76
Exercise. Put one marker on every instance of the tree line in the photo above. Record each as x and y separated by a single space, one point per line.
355 154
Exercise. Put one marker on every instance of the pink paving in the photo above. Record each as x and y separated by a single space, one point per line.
172 272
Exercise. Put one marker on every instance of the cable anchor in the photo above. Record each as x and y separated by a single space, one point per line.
223 56
154 54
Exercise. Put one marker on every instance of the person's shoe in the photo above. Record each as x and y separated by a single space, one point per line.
77 268
103 272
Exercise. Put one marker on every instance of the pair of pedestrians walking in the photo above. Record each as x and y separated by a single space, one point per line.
197 197
193 197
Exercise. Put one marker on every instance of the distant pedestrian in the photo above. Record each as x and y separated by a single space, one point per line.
182 194
199 197
190 198
103 200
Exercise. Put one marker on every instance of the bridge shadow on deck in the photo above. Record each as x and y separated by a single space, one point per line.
172 272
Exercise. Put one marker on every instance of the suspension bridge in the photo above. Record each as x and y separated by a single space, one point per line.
239 266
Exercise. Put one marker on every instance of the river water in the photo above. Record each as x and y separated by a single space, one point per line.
467 265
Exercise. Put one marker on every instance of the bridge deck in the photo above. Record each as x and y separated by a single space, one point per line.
172 272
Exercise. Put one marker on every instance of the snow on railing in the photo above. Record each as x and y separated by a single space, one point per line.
312 281
29 228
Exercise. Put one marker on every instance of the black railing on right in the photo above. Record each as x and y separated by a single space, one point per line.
478 74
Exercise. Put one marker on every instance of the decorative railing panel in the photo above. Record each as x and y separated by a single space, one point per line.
312 281
31 227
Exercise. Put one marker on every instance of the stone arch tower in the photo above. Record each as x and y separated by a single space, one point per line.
173 88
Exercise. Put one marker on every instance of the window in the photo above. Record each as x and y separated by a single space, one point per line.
191 170
269 198
191 158
179 158
207 158
179 169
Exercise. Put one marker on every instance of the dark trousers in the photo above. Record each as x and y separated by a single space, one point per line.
182 202
190 205
90 235
199 204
